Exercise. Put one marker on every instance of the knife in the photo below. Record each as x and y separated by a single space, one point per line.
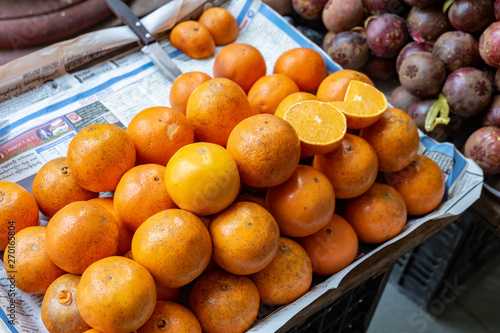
150 46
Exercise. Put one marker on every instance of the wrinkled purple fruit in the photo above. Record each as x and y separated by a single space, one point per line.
468 91
457 49
342 15
491 116
348 49
471 16
489 45
309 9
419 110
422 74
483 146
386 35
411 48
427 23
400 98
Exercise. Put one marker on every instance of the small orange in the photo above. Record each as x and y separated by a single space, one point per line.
421 184
395 140
140 194
287 277
174 245
54 187
215 108
224 302
92 330
259 197
377 215
303 204
303 65
334 86
18 210
352 168
59 310
124 234
222 25
158 132
363 105
115 295
291 100
202 178
244 237
266 149
182 88
320 126
30 268
99 155
171 317
193 39
241 63
79 234
332 248
269 90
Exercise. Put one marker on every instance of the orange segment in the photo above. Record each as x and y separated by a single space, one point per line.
319 125
363 105
291 100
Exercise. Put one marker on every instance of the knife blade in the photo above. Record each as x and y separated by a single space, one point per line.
150 46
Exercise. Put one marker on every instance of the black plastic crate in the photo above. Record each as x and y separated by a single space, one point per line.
350 313
430 272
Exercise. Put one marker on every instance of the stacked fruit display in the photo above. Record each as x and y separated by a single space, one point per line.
233 197
444 54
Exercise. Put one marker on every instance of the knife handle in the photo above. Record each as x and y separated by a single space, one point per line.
125 14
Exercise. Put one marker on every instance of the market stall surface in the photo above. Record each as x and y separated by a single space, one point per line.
474 308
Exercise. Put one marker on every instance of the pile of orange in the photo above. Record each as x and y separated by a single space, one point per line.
229 196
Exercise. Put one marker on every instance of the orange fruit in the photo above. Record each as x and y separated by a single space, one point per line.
30 268
244 237
352 168
377 215
174 245
287 277
158 132
99 155
162 293
303 65
269 90
59 310
334 86
79 234
291 100
421 184
18 210
332 248
253 196
183 86
320 126
394 138
266 149
116 294
224 302
215 108
241 63
170 317
303 204
54 187
140 194
222 25
124 234
193 39
363 105
92 331
202 178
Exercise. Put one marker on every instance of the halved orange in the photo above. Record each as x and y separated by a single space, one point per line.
291 100
320 126
363 105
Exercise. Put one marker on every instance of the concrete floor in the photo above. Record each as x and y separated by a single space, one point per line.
475 309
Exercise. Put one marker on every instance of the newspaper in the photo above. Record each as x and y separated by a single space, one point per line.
48 96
